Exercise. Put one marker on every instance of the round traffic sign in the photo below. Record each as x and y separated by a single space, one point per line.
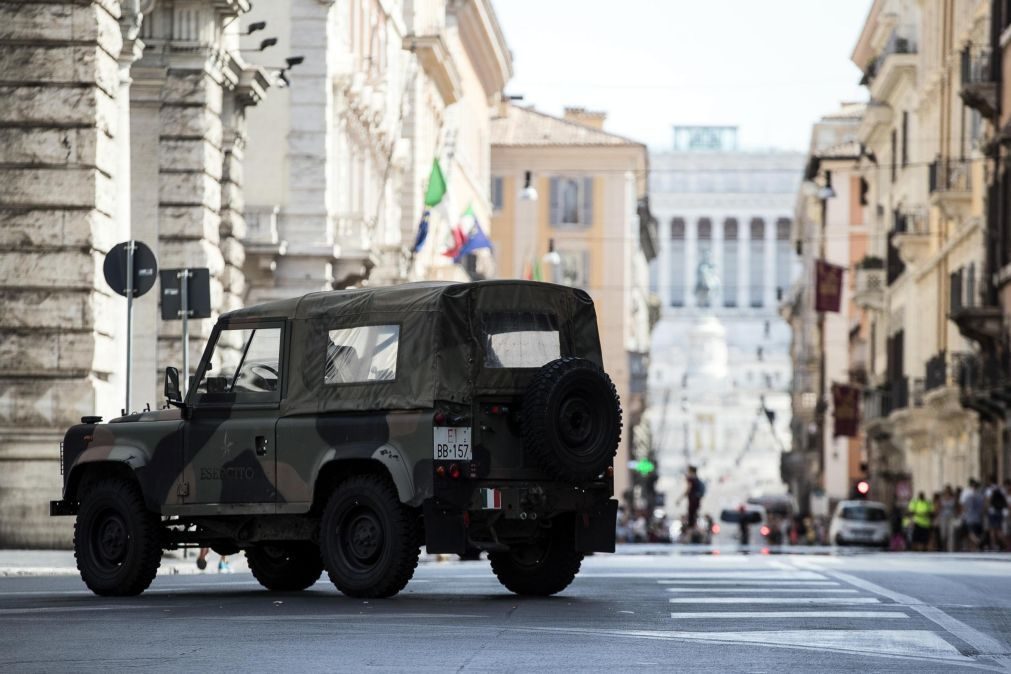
145 268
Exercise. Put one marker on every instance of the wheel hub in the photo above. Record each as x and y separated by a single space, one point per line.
110 539
363 537
575 422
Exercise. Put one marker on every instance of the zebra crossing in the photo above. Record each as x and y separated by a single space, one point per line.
783 606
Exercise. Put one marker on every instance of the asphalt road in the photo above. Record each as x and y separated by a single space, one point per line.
757 613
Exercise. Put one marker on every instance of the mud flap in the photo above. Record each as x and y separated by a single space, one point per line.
595 529
445 531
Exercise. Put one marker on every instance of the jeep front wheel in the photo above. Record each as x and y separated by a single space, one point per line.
285 567
369 540
116 539
540 568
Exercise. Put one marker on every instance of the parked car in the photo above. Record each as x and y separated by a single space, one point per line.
342 430
728 532
860 523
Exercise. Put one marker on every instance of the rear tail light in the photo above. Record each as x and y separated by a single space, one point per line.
439 418
454 471
440 471
765 530
716 528
498 409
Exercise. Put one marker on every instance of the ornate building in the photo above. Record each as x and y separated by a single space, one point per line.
729 209
122 121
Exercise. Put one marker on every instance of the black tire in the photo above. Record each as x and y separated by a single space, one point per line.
285 567
538 569
117 541
571 419
369 540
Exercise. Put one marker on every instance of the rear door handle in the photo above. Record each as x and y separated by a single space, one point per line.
261 445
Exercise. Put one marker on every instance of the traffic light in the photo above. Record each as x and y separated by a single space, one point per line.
644 467
861 488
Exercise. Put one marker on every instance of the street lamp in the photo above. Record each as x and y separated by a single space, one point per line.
529 193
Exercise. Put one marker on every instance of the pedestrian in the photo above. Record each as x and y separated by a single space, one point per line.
921 513
946 519
223 566
935 523
996 505
972 514
695 489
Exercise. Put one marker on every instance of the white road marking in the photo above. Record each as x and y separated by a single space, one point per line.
364 615
981 642
758 589
774 600
745 575
765 615
777 583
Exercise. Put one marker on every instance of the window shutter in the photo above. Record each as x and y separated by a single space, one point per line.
586 217
556 215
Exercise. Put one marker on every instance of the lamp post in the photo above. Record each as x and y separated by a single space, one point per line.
823 194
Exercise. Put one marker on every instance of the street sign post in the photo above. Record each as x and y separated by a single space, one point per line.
185 294
130 269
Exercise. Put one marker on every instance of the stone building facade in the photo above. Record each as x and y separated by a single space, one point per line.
336 189
924 168
120 121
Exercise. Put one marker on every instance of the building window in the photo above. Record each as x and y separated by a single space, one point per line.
677 262
895 154
905 138
756 282
574 271
497 196
730 262
784 260
572 202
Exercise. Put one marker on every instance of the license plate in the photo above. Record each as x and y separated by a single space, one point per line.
452 443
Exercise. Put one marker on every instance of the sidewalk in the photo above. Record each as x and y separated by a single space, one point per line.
62 563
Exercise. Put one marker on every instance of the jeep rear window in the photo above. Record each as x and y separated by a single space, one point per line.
518 340
367 353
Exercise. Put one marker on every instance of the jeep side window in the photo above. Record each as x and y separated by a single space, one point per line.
244 361
520 340
367 353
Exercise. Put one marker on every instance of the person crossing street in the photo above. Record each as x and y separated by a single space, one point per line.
921 512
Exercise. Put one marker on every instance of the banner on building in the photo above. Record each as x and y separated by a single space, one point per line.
845 410
828 280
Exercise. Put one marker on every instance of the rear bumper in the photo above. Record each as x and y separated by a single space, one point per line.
450 528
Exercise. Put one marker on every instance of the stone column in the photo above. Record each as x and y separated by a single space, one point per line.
188 42
307 221
59 323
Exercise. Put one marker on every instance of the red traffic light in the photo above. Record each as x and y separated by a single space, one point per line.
863 487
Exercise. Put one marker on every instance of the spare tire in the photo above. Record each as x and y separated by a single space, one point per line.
571 419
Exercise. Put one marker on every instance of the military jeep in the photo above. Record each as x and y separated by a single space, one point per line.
342 430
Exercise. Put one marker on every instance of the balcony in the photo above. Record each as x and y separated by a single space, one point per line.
262 243
949 182
912 237
870 284
979 90
357 257
896 60
937 372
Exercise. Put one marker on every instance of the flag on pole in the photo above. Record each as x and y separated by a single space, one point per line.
419 240
436 186
827 286
536 276
474 236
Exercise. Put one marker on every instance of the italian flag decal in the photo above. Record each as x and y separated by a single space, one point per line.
492 499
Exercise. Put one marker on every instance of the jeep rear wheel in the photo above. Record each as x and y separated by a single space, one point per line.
571 419
116 539
369 541
540 568
285 567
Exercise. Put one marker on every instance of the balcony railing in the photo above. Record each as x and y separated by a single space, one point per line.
949 175
979 90
937 372
900 393
977 372
901 41
877 404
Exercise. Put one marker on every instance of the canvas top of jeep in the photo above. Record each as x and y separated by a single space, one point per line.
458 340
